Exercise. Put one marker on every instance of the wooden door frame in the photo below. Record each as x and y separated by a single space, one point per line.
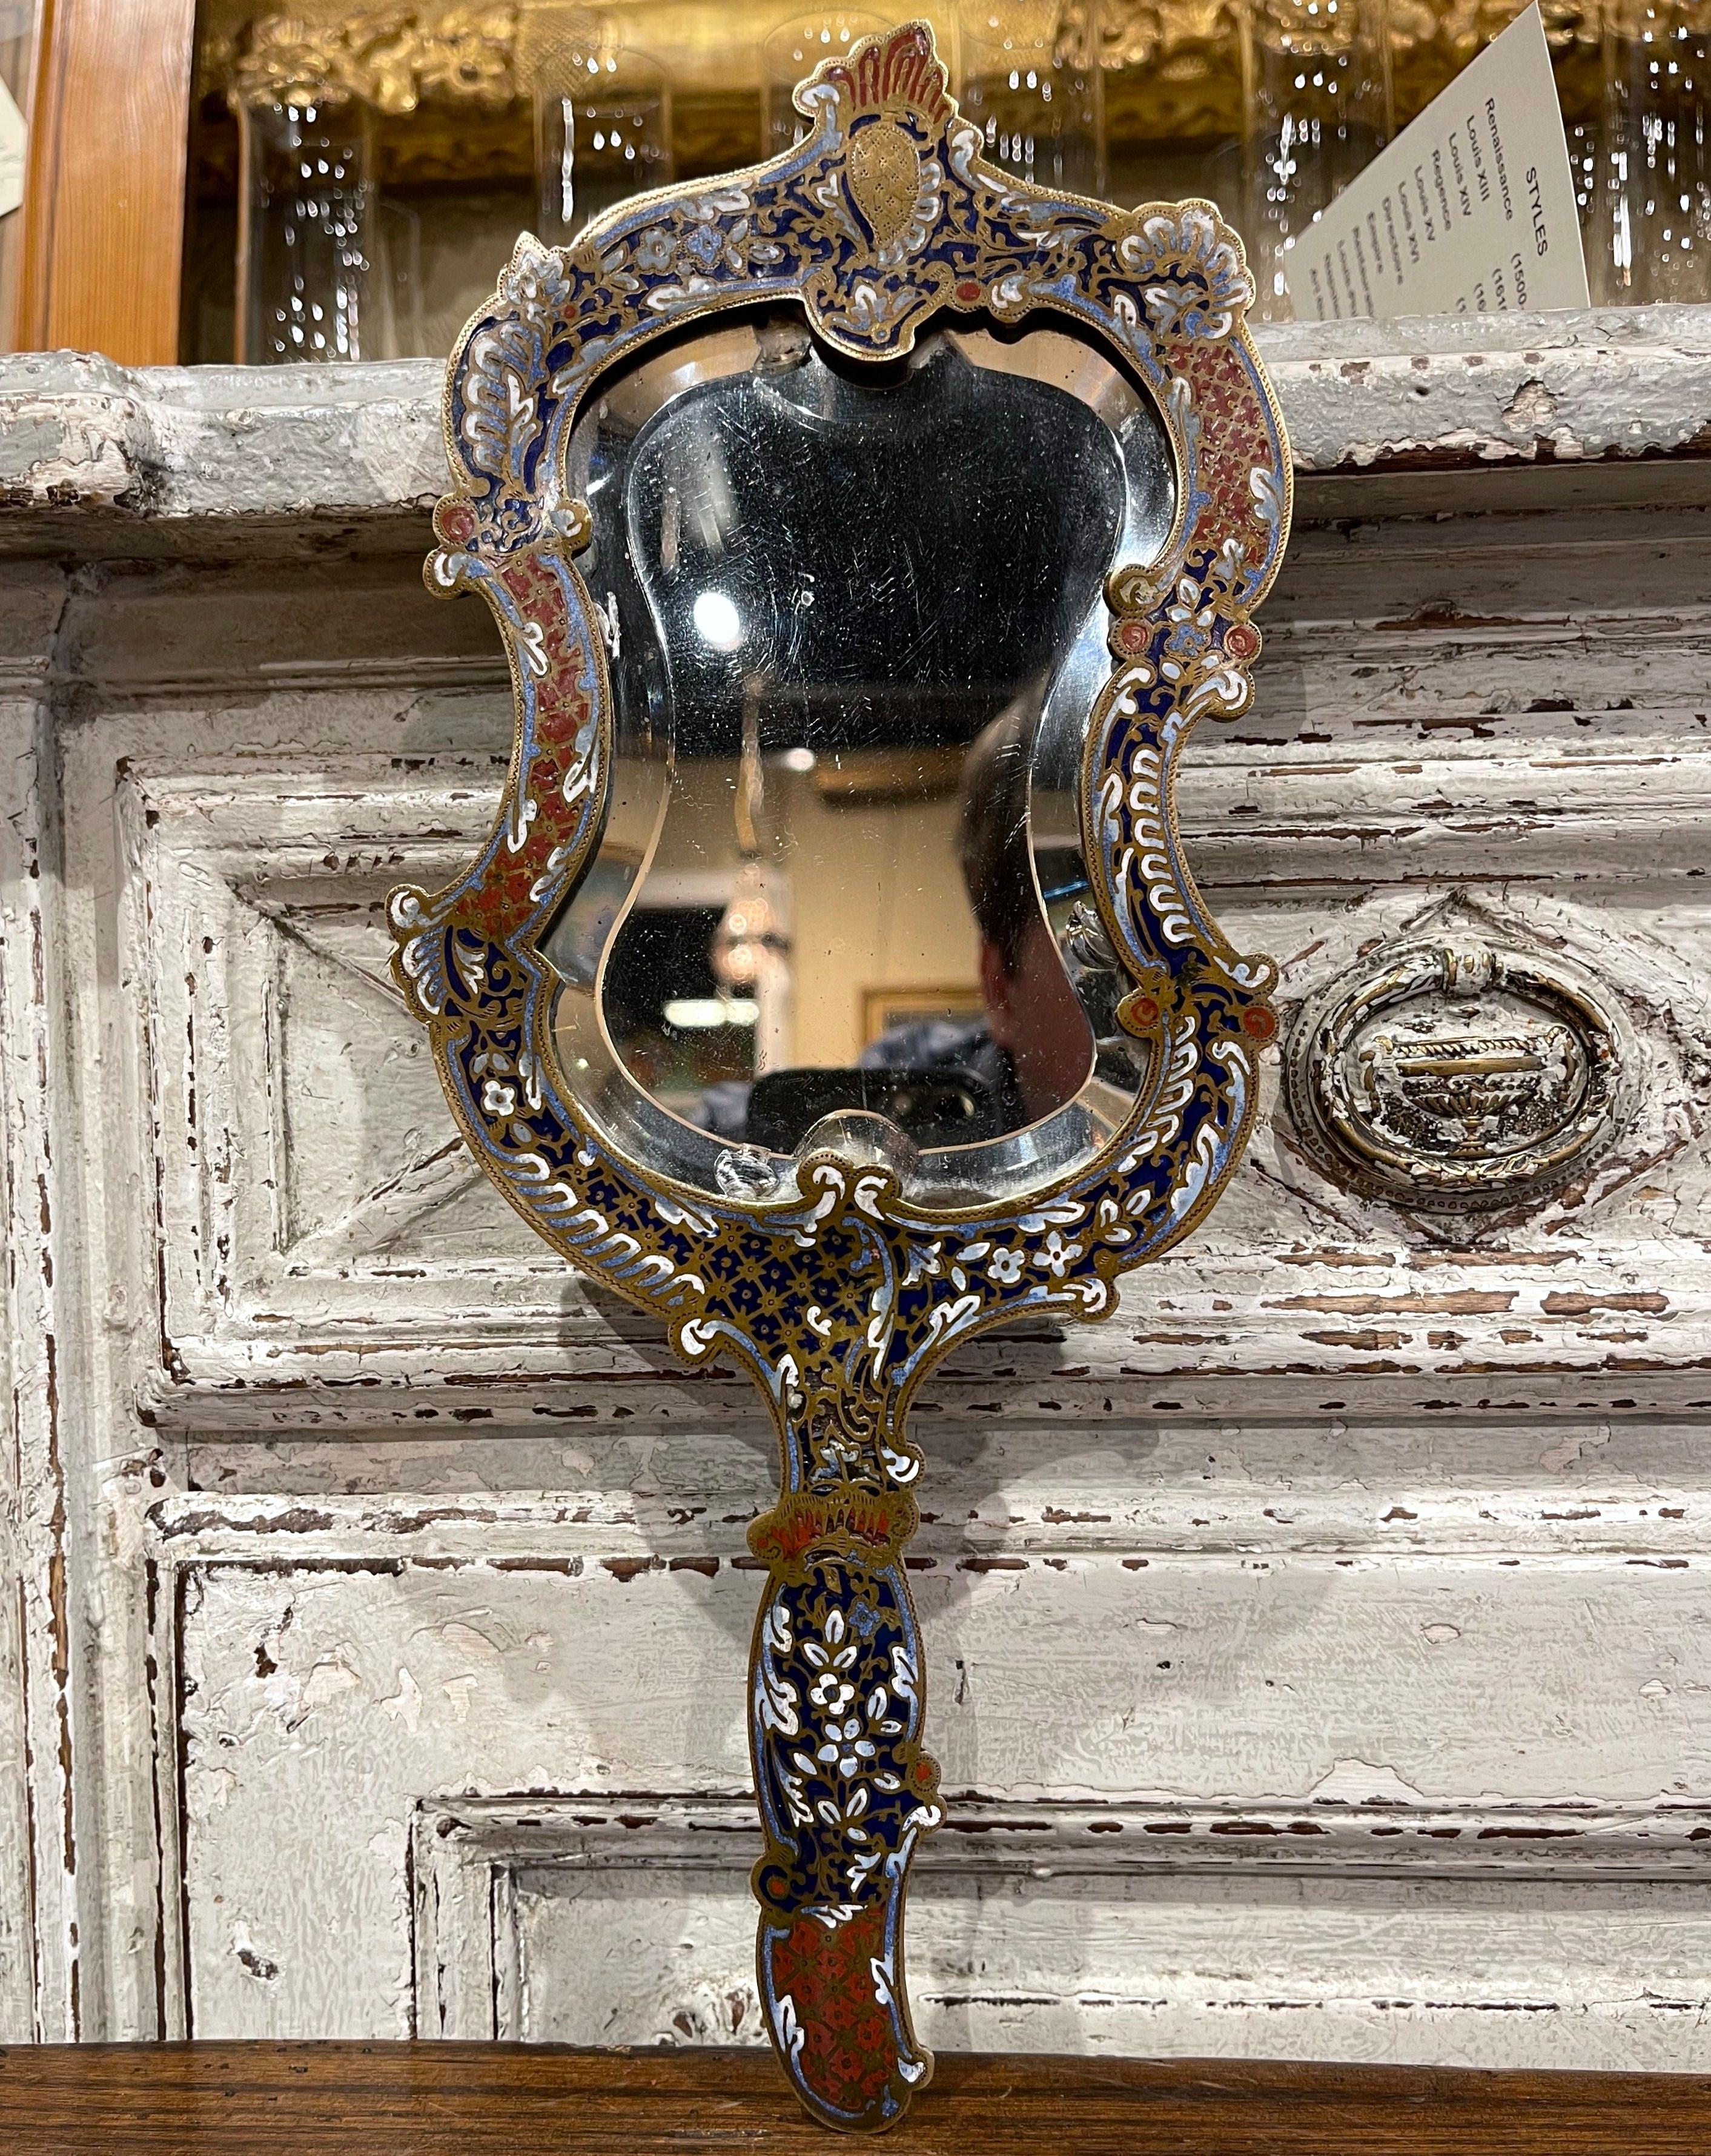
104 231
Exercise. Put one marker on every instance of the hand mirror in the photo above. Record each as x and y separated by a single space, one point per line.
867 532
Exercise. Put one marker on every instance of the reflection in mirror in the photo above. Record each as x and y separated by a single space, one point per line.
856 628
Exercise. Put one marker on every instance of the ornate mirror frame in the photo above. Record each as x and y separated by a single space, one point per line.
840 1292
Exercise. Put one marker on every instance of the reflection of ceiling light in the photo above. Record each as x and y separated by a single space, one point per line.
702 1014
798 759
717 621
750 939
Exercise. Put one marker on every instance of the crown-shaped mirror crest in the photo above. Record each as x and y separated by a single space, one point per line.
870 499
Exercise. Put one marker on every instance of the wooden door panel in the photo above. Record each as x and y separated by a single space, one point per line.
319 1211
1191 1790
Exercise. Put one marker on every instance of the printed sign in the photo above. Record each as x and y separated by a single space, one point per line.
1471 210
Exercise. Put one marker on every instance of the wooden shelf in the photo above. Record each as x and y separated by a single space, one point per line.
436 2099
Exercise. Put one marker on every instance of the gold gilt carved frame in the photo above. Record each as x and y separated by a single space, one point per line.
839 1291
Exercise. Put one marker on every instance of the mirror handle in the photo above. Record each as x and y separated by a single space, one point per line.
846 1792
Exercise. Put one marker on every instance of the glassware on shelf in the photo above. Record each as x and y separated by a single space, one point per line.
1036 97
790 54
1585 143
1655 233
306 232
1316 96
602 117
396 292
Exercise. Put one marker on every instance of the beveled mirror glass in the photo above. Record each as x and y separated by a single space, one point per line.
852 652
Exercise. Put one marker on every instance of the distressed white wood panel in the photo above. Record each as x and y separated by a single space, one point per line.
1324 843
18 1973
40 1688
1060 1927
668 1485
1416 1517
346 1694
322 1228
307 1152
1591 1973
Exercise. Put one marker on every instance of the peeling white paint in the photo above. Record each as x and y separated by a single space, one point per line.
325 1682
1361 1781
405 1705
167 447
1573 1446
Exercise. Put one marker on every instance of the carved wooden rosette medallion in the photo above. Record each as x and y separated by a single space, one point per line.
838 1292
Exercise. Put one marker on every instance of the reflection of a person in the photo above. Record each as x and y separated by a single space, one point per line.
1032 1020
1032 1047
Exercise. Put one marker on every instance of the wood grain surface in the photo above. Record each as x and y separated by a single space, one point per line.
423 2099
104 213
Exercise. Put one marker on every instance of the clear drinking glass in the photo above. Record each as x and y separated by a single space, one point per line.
1655 236
1316 93
1038 100
306 241
602 117
397 318
792 52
